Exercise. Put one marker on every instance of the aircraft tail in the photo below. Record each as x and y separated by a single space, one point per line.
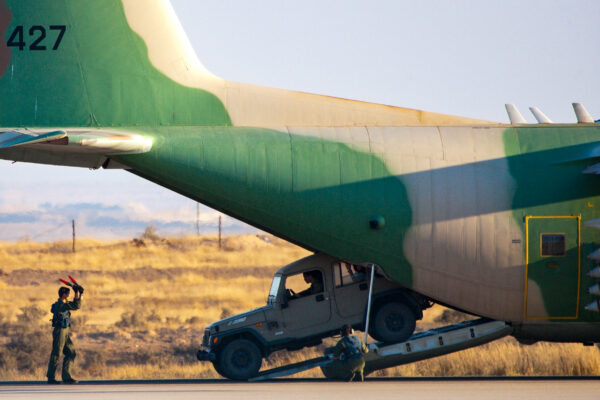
90 63
80 63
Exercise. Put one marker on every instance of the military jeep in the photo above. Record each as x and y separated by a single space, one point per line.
309 300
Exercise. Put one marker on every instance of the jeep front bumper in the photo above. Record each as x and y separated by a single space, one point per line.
206 355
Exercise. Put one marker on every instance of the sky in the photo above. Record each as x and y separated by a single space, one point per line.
465 58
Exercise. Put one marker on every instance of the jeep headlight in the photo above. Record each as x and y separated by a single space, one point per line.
205 338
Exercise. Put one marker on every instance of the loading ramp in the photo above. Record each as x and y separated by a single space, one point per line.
420 346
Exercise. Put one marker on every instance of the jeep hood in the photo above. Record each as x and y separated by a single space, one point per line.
249 317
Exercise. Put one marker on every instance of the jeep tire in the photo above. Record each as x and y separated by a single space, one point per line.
393 322
240 359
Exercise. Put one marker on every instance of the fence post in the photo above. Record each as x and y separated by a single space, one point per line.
73 224
219 232
197 219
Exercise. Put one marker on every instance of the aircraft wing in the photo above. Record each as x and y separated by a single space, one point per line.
89 148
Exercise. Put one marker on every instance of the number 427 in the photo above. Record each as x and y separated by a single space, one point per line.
38 33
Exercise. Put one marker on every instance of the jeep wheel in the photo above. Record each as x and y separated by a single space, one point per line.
218 368
393 322
239 360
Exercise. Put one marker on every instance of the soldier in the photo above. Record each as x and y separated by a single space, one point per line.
348 353
315 279
61 342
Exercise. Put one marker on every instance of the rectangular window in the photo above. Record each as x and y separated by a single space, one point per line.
274 287
347 274
304 284
553 245
337 272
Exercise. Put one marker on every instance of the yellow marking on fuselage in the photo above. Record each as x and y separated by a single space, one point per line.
527 218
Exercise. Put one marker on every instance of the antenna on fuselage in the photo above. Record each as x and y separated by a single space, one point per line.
540 116
583 116
514 115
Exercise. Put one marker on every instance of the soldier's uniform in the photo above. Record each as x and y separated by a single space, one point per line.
61 342
315 287
350 362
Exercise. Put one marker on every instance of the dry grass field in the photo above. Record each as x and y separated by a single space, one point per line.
145 307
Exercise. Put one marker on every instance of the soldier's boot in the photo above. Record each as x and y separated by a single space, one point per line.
66 370
51 374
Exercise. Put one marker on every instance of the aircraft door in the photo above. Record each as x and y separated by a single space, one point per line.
552 267
310 305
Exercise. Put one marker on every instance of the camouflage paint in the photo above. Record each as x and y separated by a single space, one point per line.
461 244
5 17
106 78
558 274
547 163
317 193
249 105
286 184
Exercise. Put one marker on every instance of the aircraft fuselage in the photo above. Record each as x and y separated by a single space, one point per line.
464 209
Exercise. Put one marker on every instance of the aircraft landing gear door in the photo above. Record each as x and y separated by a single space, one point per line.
553 264
309 304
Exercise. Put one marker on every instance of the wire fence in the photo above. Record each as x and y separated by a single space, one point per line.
62 231
37 235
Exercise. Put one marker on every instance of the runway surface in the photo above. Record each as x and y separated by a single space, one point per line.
290 389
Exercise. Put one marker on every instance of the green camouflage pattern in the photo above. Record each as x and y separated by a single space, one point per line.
452 199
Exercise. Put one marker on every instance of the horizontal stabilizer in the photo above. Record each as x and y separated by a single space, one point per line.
15 138
90 148
108 142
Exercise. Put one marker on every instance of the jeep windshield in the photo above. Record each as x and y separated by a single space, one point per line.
274 289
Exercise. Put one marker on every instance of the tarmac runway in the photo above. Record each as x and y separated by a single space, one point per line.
290 389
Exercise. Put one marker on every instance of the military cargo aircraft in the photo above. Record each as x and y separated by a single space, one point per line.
499 220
